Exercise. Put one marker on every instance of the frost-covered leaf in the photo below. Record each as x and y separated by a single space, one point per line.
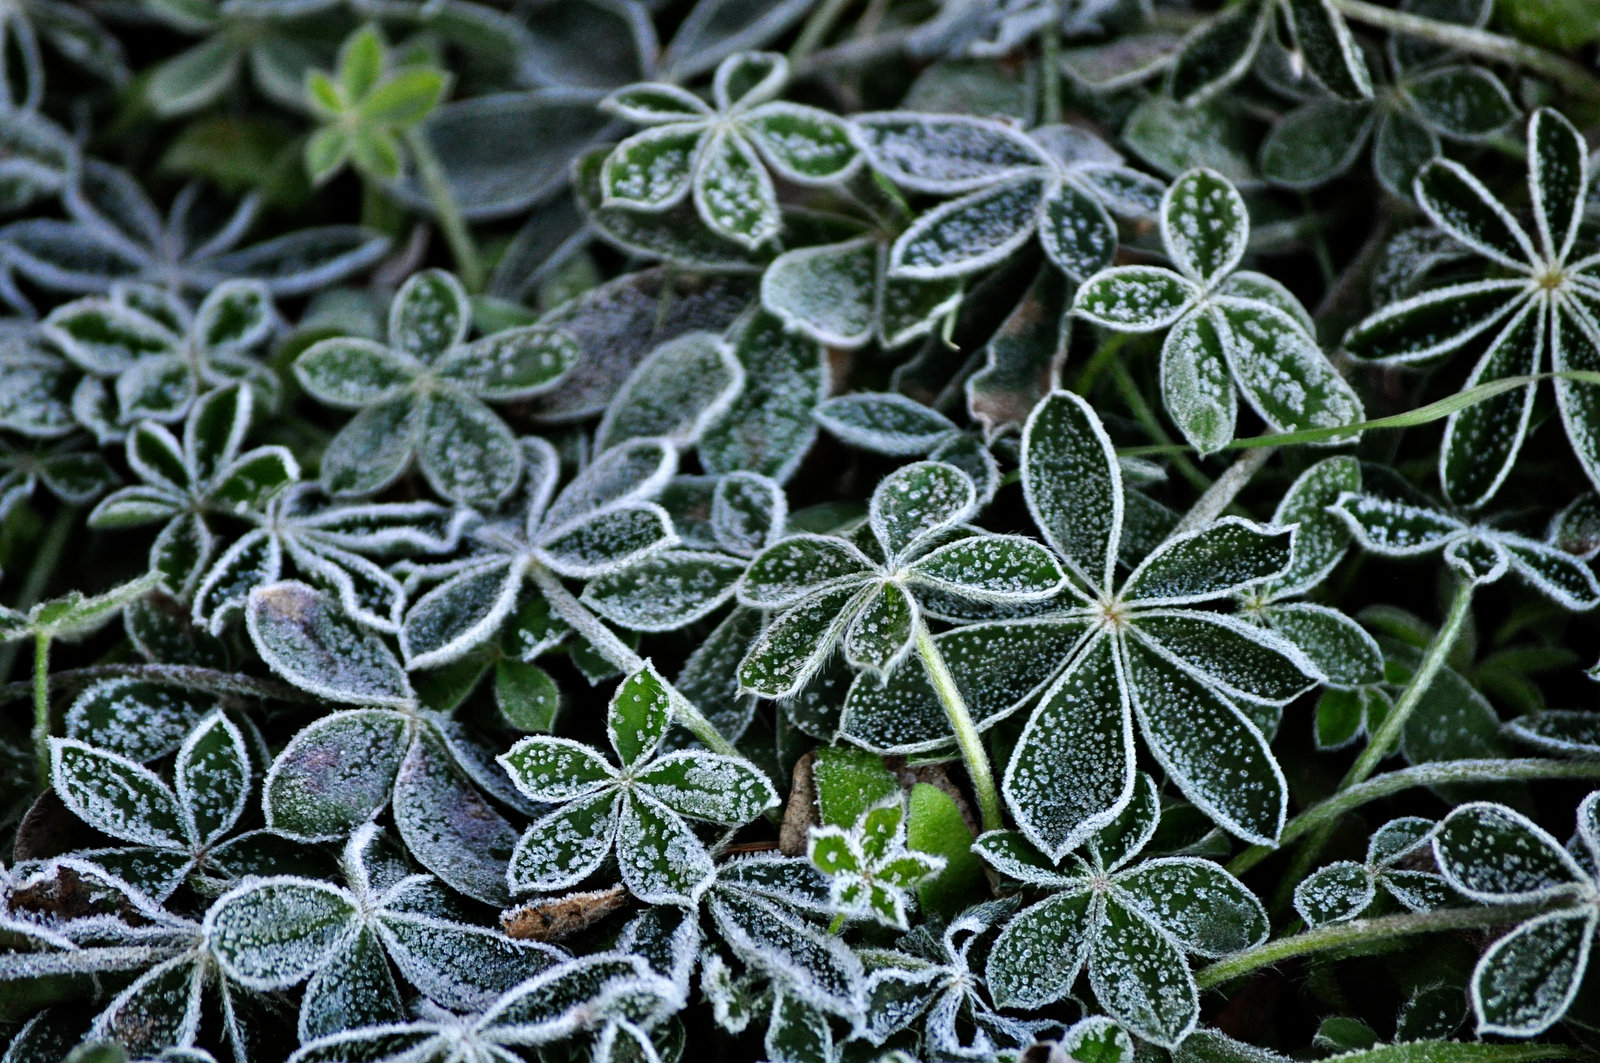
885 423
335 774
1529 978
308 640
116 795
1134 298
213 778
274 933
974 232
1495 855
917 500
661 860
1208 562
944 153
1204 225
1335 892
677 391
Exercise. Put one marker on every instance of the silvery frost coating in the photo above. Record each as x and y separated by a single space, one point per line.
812 531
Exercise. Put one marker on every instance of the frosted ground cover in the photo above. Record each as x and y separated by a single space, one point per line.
819 531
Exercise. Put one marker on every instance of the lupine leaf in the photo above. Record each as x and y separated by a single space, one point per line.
335 773
115 795
274 933
310 642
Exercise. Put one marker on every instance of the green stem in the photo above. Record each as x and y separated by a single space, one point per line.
1443 773
1473 41
1220 495
41 708
51 547
1359 932
469 265
1129 390
1388 734
605 642
817 28
968 740
1109 348
1050 69
837 924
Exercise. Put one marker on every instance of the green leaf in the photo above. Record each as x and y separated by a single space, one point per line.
1134 298
610 539
1209 562
998 568
828 293
1281 370
460 614
1339 647
353 373
794 568
1204 225
665 592
1458 203
515 364
652 102
1196 387
403 100
115 795
1461 101
213 779
1433 323
1558 174
1238 658
1329 49
972 233
917 500
1204 909
1072 770
1314 143
1333 893
448 825
945 154
661 860
1481 442
639 715
566 846
305 637
1498 856
709 786
465 451
1073 486
768 427
935 825
1139 976
1076 232
1210 749
371 451
547 770
732 192
674 394
194 78
1038 956
879 635
794 646
848 782
1529 978
335 774
1218 52
429 316
527 696
885 423
803 144
273 934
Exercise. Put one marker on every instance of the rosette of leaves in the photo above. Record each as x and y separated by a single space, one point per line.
72 475
935 983
1058 182
365 111
1112 655
346 942
342 769
1527 979
423 396
170 832
609 993
1221 50
331 545
637 811
676 587
719 154
599 523
1431 94
868 595
870 867
1344 889
147 356
1128 923
114 233
185 483
1478 553
1539 303
71 32
1229 331
261 35
1341 648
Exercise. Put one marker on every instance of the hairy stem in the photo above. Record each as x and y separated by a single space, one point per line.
968 740
41 709
605 642
469 264
1050 69
1473 41
1359 932
1436 774
1220 495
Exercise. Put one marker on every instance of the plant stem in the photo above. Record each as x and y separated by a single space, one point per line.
1129 390
1109 348
1361 931
968 740
462 248
817 28
51 547
1050 69
1473 41
605 642
1392 782
182 675
1220 495
41 708
1388 734
852 54
1387 737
